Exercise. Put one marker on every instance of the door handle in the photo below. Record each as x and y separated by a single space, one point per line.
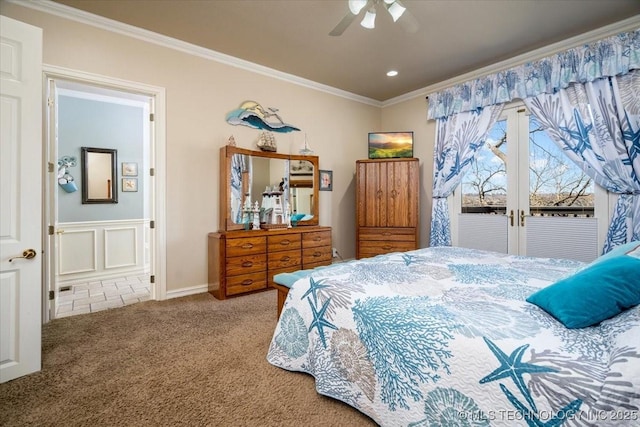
511 217
521 218
26 254
60 231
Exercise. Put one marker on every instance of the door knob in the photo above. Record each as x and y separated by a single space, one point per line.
27 254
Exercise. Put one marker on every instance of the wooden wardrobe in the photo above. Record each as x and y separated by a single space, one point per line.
387 206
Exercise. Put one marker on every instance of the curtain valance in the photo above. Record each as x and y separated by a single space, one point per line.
608 57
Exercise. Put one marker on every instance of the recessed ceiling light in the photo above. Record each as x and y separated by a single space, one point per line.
392 73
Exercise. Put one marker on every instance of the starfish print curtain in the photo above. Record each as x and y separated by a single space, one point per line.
458 138
597 124
596 65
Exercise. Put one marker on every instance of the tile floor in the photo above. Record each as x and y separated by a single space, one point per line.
89 297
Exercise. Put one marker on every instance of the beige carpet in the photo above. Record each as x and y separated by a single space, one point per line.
192 361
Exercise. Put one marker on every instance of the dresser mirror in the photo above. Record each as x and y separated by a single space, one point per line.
257 176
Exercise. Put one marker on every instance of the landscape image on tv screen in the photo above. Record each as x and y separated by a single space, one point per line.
388 145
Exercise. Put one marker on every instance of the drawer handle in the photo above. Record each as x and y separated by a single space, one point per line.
247 264
317 239
285 242
386 233
246 282
317 254
247 246
387 247
285 258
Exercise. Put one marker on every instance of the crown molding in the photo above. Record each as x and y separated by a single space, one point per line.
628 24
66 12
106 24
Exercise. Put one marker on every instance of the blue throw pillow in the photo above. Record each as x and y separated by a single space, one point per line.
594 294
619 250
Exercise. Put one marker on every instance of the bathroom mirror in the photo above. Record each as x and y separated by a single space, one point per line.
258 174
99 175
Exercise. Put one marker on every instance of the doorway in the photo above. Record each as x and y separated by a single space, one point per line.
104 249
523 196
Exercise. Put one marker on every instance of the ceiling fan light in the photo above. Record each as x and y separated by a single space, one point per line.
396 10
355 6
369 20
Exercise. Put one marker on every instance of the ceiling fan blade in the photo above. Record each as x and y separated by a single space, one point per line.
343 24
408 22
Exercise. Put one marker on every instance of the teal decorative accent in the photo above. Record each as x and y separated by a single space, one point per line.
314 287
531 417
255 116
513 367
292 338
449 407
594 294
319 322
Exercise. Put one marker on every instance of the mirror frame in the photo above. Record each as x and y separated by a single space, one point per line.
85 175
227 152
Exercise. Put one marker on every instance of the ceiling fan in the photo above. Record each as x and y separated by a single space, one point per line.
394 7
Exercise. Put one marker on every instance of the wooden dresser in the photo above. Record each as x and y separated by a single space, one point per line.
245 261
387 206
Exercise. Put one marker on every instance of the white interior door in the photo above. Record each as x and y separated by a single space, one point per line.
21 199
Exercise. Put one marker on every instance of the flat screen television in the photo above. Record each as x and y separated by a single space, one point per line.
389 145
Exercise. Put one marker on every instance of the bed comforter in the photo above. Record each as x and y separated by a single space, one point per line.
444 337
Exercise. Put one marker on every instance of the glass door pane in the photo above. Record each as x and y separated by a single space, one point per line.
560 219
482 221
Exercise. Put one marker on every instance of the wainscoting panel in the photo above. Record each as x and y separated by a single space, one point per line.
120 247
77 251
99 250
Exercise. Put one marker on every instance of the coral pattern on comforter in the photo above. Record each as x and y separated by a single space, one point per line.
444 337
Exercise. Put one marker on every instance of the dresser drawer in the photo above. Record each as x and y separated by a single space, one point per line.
316 255
246 264
246 283
317 238
387 234
246 246
284 242
284 259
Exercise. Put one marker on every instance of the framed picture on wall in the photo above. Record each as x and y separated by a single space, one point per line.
129 184
326 180
129 169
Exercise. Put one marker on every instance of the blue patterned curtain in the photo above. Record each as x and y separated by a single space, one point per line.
458 139
597 124
608 57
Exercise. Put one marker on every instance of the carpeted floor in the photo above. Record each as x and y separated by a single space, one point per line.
192 361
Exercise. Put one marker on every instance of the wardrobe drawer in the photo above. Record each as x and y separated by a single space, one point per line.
246 283
369 248
246 246
285 242
316 238
387 234
284 259
246 264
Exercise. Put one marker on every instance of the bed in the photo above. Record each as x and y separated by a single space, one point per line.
445 336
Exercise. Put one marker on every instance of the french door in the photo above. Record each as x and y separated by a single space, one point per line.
523 196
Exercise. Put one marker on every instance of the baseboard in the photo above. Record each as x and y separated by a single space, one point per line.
187 291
